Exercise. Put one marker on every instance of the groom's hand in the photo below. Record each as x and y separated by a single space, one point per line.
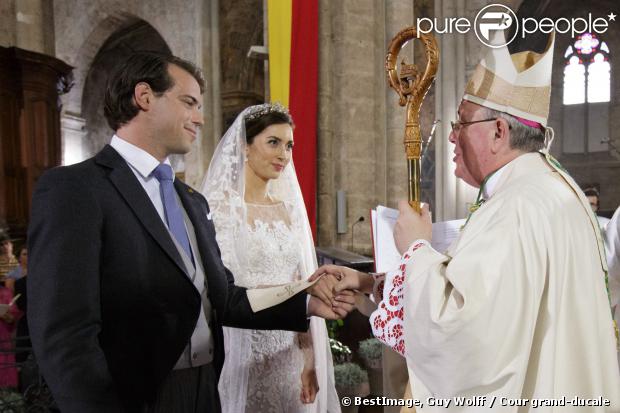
343 304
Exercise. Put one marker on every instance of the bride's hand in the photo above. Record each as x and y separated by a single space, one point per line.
309 386
323 289
348 278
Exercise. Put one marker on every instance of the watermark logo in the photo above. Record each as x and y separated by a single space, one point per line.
496 17
491 18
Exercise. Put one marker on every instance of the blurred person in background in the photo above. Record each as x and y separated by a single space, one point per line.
7 260
8 322
19 277
612 248
594 197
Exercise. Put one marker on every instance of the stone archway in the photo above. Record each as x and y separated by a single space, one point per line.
119 45
243 78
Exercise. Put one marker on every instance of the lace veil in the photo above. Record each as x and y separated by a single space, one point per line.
224 188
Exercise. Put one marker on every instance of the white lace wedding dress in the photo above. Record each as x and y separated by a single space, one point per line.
265 245
270 256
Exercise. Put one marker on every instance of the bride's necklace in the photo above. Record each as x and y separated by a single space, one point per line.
267 199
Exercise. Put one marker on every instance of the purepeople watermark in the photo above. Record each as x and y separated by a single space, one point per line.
499 17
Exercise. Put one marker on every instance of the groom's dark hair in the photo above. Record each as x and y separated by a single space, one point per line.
149 67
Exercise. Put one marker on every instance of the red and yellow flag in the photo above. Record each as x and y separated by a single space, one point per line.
293 27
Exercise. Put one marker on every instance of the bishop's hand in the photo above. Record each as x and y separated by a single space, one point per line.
411 226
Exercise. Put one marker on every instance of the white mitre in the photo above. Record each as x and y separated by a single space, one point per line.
518 84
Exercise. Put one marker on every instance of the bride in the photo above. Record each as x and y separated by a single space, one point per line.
264 236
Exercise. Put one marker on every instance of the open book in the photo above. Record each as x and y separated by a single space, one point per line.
386 255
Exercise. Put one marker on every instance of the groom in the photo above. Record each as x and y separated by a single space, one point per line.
128 293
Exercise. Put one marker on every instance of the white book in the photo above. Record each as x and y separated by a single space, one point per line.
387 257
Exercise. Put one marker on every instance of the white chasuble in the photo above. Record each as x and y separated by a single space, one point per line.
517 308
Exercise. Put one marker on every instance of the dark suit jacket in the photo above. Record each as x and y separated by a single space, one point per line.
111 307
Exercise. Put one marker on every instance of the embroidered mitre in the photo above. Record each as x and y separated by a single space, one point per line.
518 84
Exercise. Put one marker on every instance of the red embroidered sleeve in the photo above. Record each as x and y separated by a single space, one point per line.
378 286
387 320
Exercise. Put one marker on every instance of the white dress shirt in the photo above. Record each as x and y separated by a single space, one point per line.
142 165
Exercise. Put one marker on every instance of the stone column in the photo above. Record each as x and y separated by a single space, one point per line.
351 122
459 55
8 24
35 26
73 132
361 125
27 24
398 15
212 108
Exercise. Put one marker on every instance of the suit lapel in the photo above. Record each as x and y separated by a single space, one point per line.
214 270
130 189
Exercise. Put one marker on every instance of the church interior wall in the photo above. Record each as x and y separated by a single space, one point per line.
601 168
360 125
356 132
28 24
82 29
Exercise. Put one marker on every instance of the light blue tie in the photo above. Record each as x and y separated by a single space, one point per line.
172 210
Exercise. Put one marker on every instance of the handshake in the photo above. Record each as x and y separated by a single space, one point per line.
333 293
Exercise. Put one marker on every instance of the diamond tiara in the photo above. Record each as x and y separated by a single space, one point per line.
258 111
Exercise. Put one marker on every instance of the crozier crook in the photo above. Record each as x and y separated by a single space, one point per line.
412 88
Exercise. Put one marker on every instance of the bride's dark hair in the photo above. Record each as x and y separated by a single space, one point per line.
255 126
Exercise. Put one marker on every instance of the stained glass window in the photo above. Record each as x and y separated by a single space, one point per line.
587 70
586 95
598 79
586 43
574 82
604 47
